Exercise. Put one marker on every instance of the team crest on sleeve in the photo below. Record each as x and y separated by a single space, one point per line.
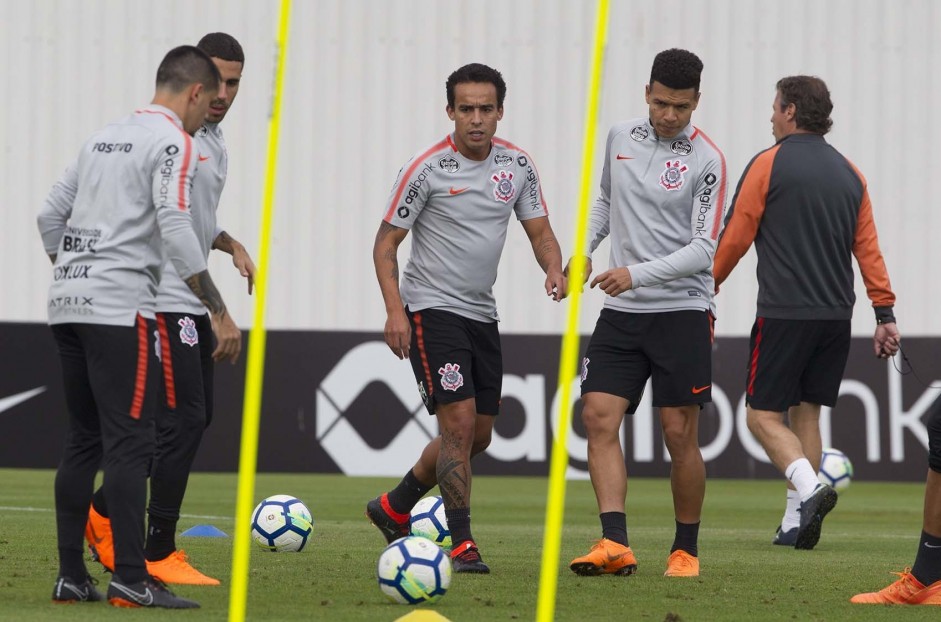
503 189
502 160
672 178
448 164
188 332
451 378
639 133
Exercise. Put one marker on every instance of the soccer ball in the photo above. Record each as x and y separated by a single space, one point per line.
414 570
428 521
281 523
835 469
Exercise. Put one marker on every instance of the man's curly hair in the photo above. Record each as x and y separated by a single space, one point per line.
676 69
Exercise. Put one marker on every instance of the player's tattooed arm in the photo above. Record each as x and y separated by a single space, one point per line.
201 284
387 245
548 254
397 331
228 335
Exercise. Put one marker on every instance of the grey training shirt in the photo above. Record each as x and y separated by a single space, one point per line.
458 211
126 195
661 201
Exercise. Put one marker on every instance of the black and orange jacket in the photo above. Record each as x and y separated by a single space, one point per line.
807 209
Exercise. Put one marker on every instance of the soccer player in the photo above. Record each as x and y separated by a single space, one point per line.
807 209
107 225
662 198
922 584
457 197
184 406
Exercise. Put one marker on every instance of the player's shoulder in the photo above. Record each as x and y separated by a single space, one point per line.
702 142
435 151
504 153
637 129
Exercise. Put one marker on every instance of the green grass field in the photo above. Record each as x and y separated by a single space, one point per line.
872 532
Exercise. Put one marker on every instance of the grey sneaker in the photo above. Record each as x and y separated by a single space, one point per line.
785 538
68 591
812 513
150 592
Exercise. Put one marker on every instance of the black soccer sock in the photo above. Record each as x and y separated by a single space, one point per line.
403 497
161 539
687 536
459 525
614 527
98 502
72 564
927 568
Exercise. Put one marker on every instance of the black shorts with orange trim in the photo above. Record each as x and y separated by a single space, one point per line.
673 348
186 343
794 361
456 358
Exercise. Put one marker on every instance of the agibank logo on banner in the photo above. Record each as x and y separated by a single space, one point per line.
364 364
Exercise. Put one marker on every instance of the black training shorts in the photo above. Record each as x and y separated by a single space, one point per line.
456 358
794 361
674 348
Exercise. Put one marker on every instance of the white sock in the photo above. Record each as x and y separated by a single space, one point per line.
803 476
792 513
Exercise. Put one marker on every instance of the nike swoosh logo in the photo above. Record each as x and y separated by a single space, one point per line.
932 546
458 190
698 390
94 534
203 158
7 403
620 157
145 598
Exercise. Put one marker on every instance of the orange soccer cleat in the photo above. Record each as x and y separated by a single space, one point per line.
176 569
100 539
906 591
605 557
682 564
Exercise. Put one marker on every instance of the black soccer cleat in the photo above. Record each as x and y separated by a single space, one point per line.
68 591
391 529
150 592
812 513
466 558
785 538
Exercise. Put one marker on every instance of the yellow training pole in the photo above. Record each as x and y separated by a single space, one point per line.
255 366
555 503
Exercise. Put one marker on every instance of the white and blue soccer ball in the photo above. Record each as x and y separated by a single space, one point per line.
414 570
281 524
429 521
835 469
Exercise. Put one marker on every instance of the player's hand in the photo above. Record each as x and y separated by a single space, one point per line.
886 340
556 284
587 270
246 267
614 282
228 338
398 333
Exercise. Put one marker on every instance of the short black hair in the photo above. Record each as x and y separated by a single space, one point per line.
186 65
811 98
222 45
475 72
676 69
